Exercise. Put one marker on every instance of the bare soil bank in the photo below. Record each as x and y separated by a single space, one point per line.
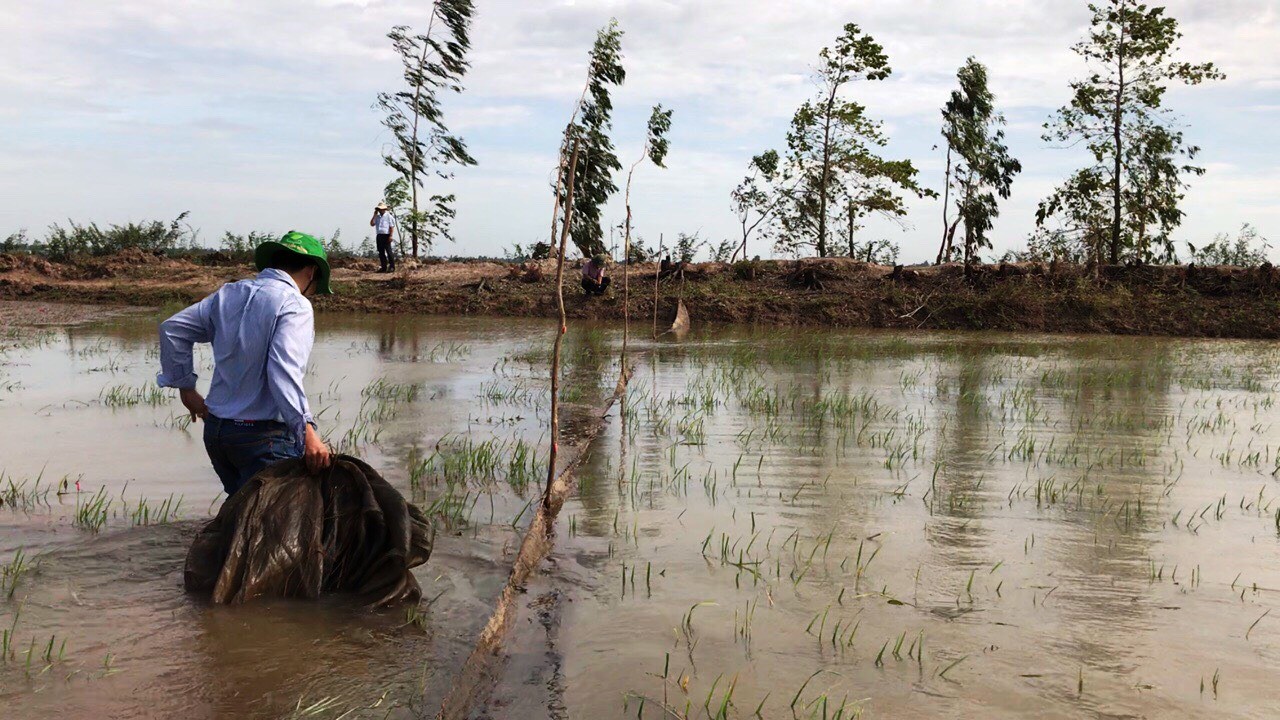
1145 300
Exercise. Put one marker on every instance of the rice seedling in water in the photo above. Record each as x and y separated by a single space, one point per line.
461 459
91 513
107 668
23 495
49 656
20 565
948 668
150 513
334 706
179 421
451 508
9 635
323 705
383 389
722 712
686 624
796 698
1255 624
124 396
416 617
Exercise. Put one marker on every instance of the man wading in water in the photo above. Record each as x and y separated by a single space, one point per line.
261 331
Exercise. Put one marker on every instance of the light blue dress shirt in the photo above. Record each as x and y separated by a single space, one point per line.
261 331
384 222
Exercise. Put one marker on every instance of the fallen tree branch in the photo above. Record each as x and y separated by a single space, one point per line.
479 673
922 306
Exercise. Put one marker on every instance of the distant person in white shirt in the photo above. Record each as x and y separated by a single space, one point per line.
384 227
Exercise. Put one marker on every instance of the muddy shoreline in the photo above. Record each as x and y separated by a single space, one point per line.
1184 301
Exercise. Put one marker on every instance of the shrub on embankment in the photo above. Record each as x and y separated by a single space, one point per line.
1188 300
174 239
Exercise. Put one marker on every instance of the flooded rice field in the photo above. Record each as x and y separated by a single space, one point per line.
777 524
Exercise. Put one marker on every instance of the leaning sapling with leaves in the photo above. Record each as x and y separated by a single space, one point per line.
423 144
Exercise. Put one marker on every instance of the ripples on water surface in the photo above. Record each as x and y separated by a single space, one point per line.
808 524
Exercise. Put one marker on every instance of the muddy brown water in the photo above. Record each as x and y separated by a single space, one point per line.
798 524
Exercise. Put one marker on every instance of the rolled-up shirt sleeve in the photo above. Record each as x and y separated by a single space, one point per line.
287 364
177 336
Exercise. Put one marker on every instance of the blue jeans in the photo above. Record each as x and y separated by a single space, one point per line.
239 449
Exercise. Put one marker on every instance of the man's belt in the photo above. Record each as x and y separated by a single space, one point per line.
250 423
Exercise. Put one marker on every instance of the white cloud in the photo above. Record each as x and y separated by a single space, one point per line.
252 112
473 117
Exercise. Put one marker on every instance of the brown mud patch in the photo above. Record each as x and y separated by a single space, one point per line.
1184 301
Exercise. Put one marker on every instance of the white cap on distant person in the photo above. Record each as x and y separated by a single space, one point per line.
382 206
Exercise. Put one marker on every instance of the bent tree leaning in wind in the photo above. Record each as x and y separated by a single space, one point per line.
589 125
434 62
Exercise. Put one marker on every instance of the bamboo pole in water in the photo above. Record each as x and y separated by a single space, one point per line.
479 671
657 277
563 326
626 268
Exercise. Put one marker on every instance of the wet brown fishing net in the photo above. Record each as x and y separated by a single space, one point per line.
289 534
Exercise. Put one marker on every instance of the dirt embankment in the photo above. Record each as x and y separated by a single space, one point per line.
1166 300
28 314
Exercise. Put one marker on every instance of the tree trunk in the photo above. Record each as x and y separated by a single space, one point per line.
1140 242
413 156
826 173
951 235
967 191
1117 123
946 202
968 247
853 250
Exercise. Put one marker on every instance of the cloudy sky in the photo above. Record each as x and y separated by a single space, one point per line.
256 115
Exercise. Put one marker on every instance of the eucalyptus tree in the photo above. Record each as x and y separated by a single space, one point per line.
832 152
1128 197
434 63
589 127
979 166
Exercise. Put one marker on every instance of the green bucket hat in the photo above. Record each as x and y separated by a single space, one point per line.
302 244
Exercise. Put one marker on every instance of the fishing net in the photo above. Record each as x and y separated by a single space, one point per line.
287 533
680 325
